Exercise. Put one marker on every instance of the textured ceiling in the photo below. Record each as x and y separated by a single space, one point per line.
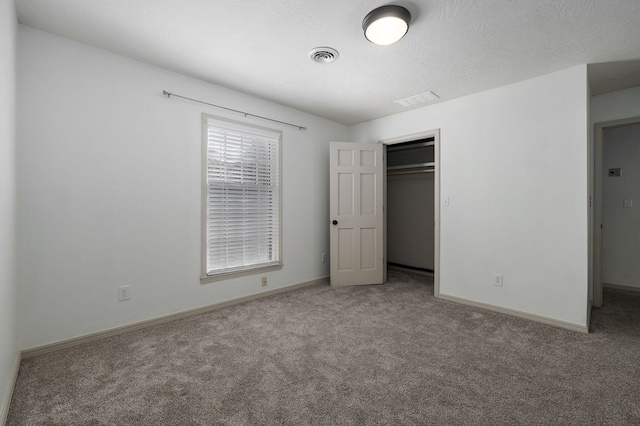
453 47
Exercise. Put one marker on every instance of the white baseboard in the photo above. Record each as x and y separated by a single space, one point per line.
621 287
516 313
27 353
13 376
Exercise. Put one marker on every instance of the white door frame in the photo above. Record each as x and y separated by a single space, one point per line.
599 129
435 134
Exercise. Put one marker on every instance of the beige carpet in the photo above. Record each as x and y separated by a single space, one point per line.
390 354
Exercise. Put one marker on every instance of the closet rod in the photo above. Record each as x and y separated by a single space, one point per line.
411 172
246 114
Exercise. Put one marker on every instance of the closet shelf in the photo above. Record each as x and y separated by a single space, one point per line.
413 166
414 145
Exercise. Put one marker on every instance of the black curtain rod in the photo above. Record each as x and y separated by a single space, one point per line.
246 114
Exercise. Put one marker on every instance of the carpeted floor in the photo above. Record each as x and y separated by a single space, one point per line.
390 354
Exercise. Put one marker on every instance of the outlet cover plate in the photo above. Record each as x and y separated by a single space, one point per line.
123 293
498 280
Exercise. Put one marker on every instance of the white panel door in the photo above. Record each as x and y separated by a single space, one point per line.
356 201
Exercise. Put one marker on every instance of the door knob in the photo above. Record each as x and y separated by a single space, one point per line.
335 222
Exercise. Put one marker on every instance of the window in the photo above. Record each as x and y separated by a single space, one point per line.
241 198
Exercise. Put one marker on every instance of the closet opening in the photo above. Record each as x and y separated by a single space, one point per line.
410 205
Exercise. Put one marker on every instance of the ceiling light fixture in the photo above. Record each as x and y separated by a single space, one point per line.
386 25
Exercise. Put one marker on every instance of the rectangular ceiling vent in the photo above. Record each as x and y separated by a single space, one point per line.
422 98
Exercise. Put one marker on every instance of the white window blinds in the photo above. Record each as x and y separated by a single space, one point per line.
243 197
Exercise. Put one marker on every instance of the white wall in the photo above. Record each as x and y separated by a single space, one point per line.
109 190
621 226
616 105
8 282
514 166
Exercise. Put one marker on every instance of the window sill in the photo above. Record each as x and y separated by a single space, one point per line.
235 274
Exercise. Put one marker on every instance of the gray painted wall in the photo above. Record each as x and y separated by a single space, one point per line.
410 220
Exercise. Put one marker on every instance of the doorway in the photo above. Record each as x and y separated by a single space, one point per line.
413 165
614 175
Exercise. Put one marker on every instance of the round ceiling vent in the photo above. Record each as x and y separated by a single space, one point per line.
324 55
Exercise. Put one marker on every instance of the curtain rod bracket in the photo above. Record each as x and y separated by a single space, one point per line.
246 114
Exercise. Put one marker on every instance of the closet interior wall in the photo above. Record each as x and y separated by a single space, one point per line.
410 204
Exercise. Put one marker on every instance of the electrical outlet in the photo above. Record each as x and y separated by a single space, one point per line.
324 257
497 280
264 281
123 292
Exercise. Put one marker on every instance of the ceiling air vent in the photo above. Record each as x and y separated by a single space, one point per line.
418 99
324 55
